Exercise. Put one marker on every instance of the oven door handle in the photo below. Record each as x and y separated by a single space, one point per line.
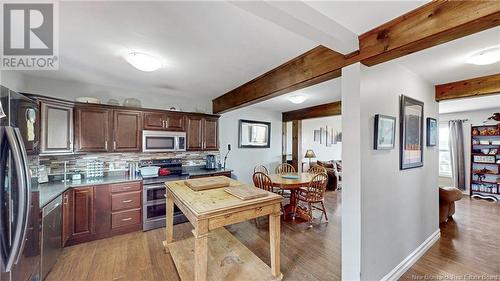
156 186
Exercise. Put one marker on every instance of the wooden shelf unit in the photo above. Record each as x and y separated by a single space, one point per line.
488 186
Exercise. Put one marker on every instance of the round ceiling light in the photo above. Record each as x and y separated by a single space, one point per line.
143 62
297 99
485 57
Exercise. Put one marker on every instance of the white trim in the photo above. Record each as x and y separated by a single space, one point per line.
401 268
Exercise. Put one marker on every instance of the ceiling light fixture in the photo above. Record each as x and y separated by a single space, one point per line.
297 99
143 62
485 57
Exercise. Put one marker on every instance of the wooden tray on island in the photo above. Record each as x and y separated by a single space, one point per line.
246 192
207 183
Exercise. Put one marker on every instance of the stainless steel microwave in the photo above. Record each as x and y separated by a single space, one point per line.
161 141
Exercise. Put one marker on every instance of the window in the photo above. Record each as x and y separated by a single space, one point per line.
444 151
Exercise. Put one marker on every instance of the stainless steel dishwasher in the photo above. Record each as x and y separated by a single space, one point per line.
51 235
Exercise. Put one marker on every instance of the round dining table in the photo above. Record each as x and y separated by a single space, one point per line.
292 182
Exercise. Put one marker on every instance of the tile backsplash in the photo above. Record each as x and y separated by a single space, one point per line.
117 161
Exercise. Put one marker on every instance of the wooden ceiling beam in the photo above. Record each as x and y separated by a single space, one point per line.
323 110
479 86
315 66
437 22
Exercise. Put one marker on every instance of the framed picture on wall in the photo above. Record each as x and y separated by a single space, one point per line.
385 132
411 133
432 132
254 134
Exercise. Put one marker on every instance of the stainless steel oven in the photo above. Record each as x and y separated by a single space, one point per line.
161 141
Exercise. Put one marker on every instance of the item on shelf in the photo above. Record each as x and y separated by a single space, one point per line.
485 151
475 132
484 159
476 142
492 131
483 132
132 102
484 142
495 116
493 151
113 102
88 100
495 142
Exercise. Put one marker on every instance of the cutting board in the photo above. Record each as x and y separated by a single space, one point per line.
207 183
246 192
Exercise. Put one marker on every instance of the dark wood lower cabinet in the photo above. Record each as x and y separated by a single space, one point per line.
95 212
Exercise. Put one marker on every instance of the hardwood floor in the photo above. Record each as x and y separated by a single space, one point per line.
469 248
306 253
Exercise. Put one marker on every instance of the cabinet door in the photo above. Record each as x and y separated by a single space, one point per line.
194 133
83 205
154 121
67 229
175 122
126 130
102 209
92 129
57 128
210 134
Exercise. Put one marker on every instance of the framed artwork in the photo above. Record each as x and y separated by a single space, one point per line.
385 132
411 133
432 132
254 134
317 135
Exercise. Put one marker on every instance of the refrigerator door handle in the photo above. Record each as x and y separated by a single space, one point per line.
21 207
27 191
4 245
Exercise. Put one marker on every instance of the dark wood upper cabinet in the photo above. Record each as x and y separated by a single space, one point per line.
83 206
194 132
127 130
210 134
202 133
92 129
56 127
170 121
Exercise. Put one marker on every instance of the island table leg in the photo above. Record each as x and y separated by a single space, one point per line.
274 241
169 228
200 254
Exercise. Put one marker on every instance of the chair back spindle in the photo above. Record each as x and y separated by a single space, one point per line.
262 181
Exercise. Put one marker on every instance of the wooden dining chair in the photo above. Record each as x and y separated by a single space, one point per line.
317 170
263 181
313 195
261 168
284 168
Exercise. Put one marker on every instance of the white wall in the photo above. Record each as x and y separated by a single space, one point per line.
399 209
475 117
243 160
323 153
11 79
70 90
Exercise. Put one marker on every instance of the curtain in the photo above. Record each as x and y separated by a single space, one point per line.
457 154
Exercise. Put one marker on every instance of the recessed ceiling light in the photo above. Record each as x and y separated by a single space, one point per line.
297 99
486 56
143 62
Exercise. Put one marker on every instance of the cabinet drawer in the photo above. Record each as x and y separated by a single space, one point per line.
125 218
127 186
123 201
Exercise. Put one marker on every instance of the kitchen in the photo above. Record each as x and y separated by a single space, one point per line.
96 171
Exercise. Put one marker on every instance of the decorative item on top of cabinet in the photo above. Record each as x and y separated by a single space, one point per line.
164 121
56 127
202 132
92 129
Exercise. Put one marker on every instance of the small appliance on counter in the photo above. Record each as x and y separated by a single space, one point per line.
211 163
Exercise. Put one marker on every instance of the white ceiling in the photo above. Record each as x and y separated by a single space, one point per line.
362 16
469 104
446 62
209 48
328 91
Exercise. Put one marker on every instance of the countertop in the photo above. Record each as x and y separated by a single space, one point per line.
49 191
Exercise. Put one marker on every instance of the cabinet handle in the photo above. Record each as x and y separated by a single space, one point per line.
66 199
114 145
127 201
127 187
127 219
106 145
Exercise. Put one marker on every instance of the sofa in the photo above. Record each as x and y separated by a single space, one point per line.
334 171
447 198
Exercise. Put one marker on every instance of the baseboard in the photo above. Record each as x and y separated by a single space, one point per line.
401 268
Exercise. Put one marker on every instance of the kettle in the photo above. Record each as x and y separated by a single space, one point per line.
211 163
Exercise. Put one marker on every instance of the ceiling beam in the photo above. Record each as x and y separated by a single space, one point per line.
315 66
323 110
302 19
479 86
429 25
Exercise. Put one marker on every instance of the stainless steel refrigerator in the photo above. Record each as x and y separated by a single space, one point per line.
19 197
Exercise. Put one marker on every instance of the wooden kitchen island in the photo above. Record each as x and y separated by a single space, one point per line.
213 253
